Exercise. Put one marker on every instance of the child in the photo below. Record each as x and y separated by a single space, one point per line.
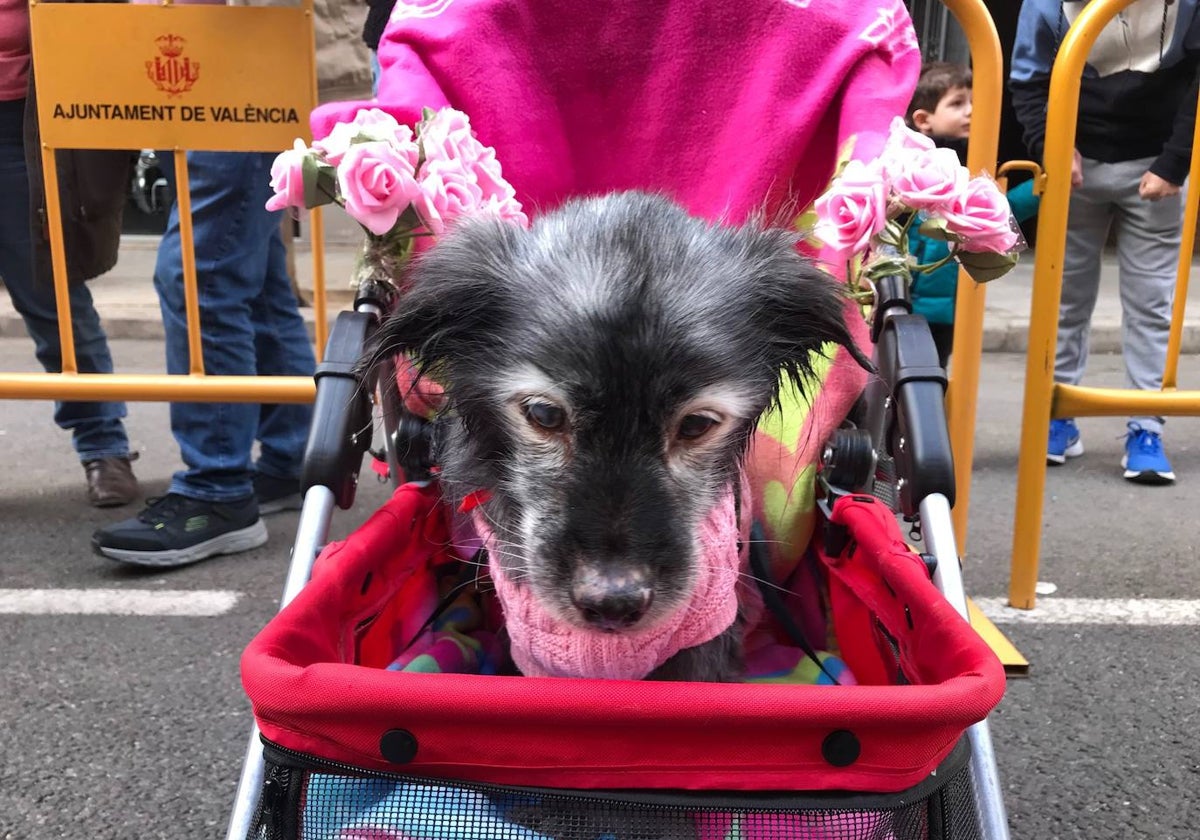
941 109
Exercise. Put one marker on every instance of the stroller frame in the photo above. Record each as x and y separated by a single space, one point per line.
900 451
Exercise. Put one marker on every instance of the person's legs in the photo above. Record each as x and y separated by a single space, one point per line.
283 349
211 508
233 233
1088 220
1148 236
98 433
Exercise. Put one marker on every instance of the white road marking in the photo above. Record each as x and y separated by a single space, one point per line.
178 603
1140 612
1147 612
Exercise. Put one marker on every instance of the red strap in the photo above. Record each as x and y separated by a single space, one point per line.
473 500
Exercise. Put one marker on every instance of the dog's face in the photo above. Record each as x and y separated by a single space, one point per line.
604 371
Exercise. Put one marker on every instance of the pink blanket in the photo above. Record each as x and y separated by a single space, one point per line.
729 108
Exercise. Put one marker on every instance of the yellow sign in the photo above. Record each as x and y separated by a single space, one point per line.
217 78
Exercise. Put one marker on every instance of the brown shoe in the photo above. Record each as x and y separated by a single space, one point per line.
111 482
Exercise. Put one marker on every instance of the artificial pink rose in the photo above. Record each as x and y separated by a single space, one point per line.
446 192
982 217
902 142
929 179
504 209
447 136
900 136
489 176
377 183
852 210
287 178
368 124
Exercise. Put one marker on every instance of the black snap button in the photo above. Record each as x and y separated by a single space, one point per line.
841 748
398 746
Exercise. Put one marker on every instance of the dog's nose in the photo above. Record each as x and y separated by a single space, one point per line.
612 609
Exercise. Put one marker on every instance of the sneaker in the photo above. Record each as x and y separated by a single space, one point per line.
1144 460
174 530
277 494
1064 442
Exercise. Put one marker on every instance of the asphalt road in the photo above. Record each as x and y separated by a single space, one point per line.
119 727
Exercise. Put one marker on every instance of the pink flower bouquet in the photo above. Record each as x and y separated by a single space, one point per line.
863 218
398 182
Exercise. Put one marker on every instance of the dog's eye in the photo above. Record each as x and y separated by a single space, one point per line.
546 416
695 426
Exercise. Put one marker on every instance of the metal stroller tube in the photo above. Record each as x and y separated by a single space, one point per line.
906 418
246 803
331 464
315 517
938 530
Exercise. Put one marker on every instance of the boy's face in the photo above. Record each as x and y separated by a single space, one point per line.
951 117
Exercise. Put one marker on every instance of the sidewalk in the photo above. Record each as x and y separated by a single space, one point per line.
126 300
128 304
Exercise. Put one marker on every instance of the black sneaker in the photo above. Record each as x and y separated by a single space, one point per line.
174 530
277 494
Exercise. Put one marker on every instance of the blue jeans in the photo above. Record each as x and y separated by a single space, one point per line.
250 323
96 427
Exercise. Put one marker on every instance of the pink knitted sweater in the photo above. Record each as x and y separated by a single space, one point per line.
543 645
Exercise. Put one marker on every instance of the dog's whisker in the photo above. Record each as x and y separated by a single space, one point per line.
762 582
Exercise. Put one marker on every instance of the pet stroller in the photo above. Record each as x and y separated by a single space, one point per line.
352 749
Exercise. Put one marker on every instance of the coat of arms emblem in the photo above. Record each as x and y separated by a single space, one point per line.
171 71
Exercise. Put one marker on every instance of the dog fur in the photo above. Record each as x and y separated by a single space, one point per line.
604 371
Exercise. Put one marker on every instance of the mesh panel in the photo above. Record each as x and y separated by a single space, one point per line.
953 815
303 805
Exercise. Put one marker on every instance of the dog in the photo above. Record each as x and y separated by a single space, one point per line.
604 371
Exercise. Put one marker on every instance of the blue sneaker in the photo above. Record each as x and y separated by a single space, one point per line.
1144 461
1064 442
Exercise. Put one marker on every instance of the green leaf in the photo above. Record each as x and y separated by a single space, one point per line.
985 266
935 228
806 221
886 266
320 182
844 155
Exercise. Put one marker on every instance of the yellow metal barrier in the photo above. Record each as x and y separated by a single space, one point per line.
1183 275
962 396
215 78
1044 398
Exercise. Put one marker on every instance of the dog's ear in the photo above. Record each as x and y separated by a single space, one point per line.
457 302
801 308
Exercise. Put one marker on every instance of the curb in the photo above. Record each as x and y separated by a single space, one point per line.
135 321
143 321
1012 336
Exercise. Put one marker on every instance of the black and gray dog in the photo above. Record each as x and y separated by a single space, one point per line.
604 372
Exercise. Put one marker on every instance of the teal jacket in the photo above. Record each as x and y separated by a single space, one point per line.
933 291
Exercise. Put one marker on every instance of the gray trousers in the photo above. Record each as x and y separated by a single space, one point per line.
1147 235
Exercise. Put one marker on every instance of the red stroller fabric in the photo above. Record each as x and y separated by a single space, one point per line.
311 696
